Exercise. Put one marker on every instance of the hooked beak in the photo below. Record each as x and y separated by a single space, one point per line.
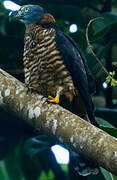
14 15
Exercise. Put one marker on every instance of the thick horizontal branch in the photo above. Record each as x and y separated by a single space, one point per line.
59 123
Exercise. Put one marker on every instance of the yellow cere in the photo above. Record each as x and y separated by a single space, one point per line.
20 11
22 8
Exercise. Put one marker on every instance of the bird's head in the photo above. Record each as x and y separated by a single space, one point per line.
29 14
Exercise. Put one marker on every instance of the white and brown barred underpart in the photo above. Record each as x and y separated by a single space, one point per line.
44 68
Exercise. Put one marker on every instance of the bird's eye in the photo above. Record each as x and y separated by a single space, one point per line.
27 9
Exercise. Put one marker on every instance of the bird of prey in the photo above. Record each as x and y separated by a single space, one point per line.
53 64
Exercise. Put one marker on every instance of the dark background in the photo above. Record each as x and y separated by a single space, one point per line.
103 38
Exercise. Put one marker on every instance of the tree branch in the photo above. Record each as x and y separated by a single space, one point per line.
59 123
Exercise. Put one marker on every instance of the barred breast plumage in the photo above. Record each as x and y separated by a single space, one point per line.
44 68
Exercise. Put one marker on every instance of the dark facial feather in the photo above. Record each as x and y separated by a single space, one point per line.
29 14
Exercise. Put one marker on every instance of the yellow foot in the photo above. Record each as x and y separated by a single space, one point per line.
30 87
54 100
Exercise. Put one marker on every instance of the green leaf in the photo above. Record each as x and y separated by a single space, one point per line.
104 22
3 172
3 24
108 79
107 175
113 81
51 175
110 115
12 165
113 73
104 125
38 144
38 149
42 176
111 131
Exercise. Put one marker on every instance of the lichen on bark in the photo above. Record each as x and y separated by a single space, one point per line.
59 123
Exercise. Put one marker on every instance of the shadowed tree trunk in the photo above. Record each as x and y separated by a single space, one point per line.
53 120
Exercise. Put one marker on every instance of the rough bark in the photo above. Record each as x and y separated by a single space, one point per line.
59 123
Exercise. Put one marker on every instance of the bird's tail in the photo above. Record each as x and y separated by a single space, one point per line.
83 166
91 112
90 108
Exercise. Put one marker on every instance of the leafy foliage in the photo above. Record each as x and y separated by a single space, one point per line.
106 22
108 175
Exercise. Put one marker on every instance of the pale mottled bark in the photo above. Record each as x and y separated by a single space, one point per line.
55 121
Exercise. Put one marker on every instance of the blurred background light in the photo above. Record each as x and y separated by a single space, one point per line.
61 154
11 5
73 28
104 85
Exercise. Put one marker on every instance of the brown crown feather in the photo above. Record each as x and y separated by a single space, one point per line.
47 18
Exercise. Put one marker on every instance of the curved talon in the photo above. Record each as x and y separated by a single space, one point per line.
44 99
30 87
54 100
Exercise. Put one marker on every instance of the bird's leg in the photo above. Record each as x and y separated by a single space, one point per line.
30 87
57 98
44 99
54 100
